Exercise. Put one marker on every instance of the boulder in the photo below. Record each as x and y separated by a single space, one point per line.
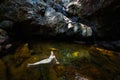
47 18
21 54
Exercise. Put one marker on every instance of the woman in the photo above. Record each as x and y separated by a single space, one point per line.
45 61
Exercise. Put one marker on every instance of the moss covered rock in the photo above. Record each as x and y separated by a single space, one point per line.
3 75
22 53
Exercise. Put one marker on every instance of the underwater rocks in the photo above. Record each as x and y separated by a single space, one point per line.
3 75
21 72
22 53
55 20
77 62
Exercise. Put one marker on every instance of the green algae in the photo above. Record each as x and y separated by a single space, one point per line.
3 70
87 61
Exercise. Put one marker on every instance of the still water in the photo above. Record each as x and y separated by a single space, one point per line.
76 62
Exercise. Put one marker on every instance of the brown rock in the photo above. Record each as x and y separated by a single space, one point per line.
3 75
22 53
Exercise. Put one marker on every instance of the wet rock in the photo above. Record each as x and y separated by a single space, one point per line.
73 8
3 36
80 29
78 77
86 7
21 54
55 20
22 72
76 62
22 10
6 24
86 30
70 73
3 75
107 21
5 43
116 44
43 71
110 45
41 17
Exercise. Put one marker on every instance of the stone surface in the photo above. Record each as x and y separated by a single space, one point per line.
3 36
48 16
22 53
84 8
3 75
76 62
31 18
5 43
6 24
111 45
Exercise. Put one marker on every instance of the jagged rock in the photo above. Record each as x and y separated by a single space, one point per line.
6 24
3 36
32 17
55 20
22 10
86 30
37 11
84 8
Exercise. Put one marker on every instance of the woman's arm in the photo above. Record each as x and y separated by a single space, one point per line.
56 61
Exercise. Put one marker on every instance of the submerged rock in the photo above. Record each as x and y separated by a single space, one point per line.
21 54
76 62
78 77
21 72
3 73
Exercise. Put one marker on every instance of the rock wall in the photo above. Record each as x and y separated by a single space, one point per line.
80 18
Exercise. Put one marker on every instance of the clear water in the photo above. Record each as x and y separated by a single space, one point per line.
77 62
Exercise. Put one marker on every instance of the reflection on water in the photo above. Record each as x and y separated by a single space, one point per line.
77 62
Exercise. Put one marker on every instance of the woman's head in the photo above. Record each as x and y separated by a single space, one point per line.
52 53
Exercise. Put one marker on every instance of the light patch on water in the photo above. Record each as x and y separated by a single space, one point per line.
75 54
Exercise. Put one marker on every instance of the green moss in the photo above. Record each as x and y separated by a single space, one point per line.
3 75
90 62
